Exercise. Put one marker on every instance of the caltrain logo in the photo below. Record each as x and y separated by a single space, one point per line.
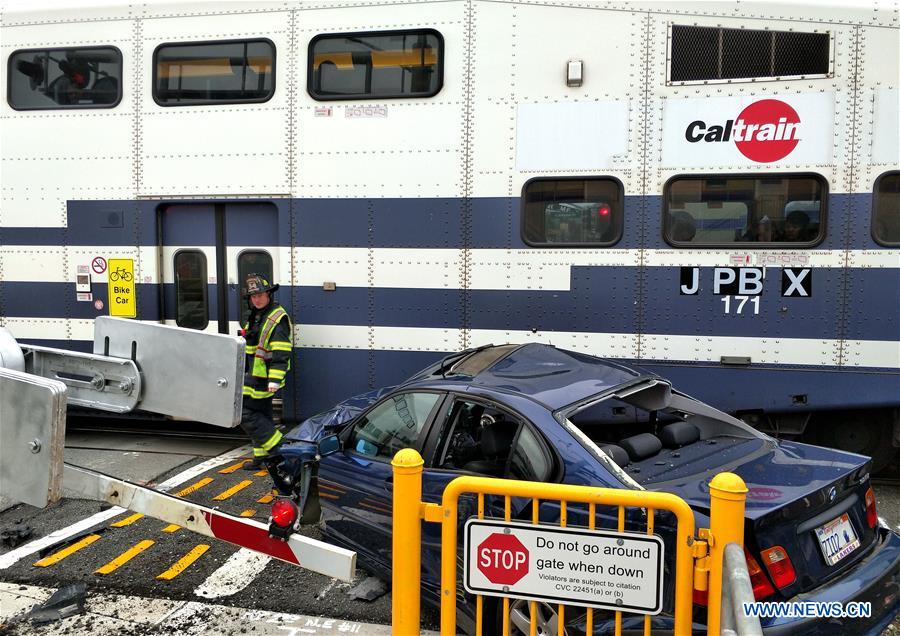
765 131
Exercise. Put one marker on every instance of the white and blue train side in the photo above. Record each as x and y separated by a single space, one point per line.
709 190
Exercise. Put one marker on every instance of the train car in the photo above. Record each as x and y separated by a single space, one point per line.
709 190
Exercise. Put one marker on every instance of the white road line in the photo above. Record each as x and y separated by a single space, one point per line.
115 614
13 556
234 575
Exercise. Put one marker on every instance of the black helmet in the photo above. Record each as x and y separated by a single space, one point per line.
256 284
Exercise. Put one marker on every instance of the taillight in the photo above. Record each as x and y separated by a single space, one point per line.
871 514
284 513
603 210
761 586
779 565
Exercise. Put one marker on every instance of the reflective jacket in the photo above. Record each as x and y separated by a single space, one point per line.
268 348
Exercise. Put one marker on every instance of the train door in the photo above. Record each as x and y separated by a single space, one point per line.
207 251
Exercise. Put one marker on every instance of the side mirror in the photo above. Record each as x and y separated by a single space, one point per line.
329 445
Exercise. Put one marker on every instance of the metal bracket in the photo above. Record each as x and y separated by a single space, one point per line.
700 552
93 381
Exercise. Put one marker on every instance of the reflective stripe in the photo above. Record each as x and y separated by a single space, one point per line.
253 394
280 345
269 324
276 373
272 441
257 395
258 452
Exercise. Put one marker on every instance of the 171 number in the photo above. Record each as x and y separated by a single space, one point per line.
739 302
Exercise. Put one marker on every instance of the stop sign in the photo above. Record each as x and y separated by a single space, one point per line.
502 559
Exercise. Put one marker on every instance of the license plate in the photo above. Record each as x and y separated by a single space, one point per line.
837 538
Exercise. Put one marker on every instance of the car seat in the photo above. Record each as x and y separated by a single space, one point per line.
496 442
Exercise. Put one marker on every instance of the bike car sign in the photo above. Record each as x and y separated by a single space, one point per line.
593 568
122 297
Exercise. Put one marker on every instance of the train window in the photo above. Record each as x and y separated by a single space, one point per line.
191 306
47 79
232 72
253 262
778 211
886 209
376 65
572 211
714 53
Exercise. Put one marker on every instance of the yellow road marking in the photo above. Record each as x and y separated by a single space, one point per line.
222 496
182 564
125 557
56 557
127 521
171 528
248 513
265 499
261 473
231 469
197 486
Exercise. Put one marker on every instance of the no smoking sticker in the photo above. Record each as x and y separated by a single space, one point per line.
594 568
98 264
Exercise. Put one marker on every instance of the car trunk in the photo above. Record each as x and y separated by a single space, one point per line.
796 492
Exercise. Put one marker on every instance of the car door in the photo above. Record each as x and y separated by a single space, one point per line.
461 443
356 484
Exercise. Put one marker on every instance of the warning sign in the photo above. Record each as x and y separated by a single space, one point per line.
594 568
122 297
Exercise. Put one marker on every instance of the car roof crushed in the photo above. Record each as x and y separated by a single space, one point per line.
554 377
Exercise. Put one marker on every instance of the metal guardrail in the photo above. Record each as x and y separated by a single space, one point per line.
737 590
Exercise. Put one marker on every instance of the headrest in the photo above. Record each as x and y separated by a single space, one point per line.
679 434
641 446
497 438
473 418
616 453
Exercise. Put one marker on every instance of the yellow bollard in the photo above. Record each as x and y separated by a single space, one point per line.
407 542
727 493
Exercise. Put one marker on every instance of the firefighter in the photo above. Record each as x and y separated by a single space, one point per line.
268 348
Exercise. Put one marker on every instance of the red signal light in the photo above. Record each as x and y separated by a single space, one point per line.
284 513
603 210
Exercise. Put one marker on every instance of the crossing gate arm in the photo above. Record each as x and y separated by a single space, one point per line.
33 423
297 549
569 494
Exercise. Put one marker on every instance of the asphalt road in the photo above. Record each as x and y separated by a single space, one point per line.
222 574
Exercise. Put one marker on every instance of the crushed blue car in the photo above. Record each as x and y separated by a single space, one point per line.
536 412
